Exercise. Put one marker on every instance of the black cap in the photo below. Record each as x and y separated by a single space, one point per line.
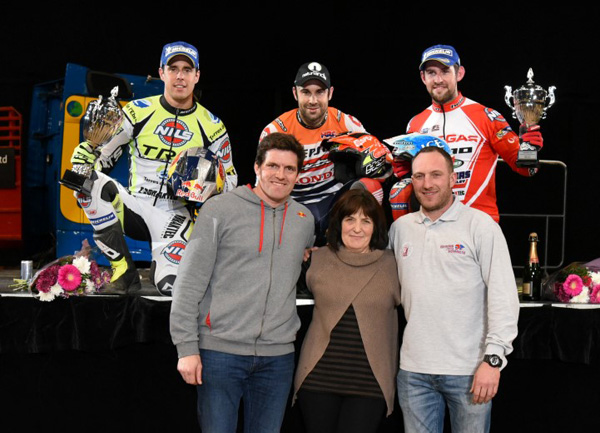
313 71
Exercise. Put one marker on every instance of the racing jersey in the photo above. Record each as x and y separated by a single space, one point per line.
156 133
476 135
316 181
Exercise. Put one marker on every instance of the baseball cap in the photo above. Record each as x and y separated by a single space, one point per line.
179 49
445 54
313 71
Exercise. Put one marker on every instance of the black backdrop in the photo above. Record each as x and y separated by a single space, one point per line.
250 53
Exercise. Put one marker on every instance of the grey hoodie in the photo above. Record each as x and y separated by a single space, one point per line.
236 286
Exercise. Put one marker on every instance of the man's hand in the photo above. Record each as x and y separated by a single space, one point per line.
485 383
84 153
190 368
532 135
401 167
307 253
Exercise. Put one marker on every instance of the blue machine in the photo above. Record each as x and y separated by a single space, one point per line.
54 131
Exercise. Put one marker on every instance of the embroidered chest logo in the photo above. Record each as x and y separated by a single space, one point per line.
454 248
406 250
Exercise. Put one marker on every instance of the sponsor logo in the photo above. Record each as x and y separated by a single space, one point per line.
84 200
213 118
174 251
314 71
443 51
131 113
315 178
458 163
399 206
281 124
173 226
102 219
453 138
181 48
217 133
503 132
153 193
173 133
301 214
224 152
454 249
424 130
313 151
462 176
141 103
494 115
328 134
435 128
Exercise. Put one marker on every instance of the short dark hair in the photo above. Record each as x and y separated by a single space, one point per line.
349 203
279 141
441 151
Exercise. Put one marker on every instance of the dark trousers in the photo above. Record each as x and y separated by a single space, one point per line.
333 413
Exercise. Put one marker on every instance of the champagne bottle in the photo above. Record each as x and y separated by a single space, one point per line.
532 274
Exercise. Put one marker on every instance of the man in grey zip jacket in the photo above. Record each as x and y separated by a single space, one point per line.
233 316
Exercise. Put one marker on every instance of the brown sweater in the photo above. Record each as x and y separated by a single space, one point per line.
368 282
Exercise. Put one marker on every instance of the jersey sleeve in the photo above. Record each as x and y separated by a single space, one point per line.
352 124
220 145
271 128
504 141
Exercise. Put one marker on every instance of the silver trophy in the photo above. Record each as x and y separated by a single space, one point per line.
529 108
101 122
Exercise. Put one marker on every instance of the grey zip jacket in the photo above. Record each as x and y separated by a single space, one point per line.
235 290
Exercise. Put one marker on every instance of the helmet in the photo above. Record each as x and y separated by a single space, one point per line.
405 147
357 155
196 174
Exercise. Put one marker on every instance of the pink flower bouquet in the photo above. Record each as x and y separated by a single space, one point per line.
577 283
76 275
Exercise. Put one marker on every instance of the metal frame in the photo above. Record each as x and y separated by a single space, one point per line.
547 218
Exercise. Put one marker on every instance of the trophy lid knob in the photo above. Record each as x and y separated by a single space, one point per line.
530 76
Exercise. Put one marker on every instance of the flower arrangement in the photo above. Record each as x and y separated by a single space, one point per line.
75 275
576 283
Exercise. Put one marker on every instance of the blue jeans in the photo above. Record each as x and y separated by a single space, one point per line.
423 398
263 382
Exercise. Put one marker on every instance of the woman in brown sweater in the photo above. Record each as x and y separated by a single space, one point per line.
345 378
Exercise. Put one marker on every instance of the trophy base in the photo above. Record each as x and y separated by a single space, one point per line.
77 182
527 158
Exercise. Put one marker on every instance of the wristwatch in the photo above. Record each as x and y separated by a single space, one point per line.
493 360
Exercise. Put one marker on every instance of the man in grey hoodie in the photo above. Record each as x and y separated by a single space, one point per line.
233 316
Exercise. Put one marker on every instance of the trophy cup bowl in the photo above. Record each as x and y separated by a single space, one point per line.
100 123
530 103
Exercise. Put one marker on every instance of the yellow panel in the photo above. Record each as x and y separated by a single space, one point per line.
68 204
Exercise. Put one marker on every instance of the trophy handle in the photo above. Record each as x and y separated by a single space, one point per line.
551 100
507 97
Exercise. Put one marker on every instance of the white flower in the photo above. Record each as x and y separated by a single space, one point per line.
582 298
56 290
89 287
595 277
46 297
82 264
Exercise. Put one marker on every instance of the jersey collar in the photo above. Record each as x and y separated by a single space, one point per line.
301 122
449 106
176 111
